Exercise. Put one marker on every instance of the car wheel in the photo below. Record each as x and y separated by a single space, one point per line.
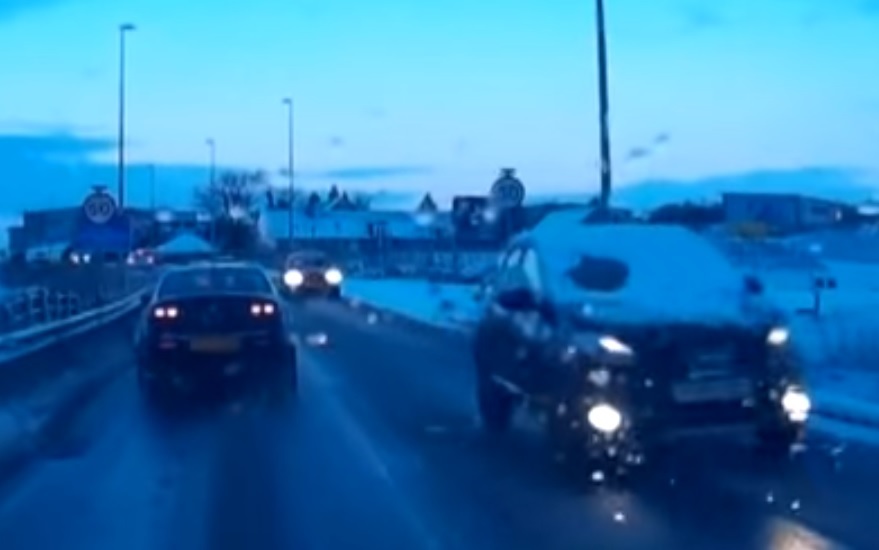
496 406
335 293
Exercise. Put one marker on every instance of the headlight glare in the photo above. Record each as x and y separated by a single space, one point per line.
333 276
614 346
604 418
778 336
796 404
293 277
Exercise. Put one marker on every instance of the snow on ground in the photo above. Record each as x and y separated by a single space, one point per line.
449 306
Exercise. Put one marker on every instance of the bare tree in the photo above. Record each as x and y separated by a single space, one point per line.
233 194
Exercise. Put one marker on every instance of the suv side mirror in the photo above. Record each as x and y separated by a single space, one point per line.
517 299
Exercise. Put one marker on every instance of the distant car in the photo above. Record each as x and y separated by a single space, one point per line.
628 338
311 273
216 328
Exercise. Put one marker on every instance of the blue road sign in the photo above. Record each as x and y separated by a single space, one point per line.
102 227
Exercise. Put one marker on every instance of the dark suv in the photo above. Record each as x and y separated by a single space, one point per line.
626 338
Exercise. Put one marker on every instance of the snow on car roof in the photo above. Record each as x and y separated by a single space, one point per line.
672 272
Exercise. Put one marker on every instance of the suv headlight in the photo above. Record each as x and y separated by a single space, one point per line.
605 418
778 336
796 404
333 276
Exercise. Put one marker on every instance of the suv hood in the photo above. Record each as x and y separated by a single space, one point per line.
736 309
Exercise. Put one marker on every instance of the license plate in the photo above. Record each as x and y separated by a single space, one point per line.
215 345
715 390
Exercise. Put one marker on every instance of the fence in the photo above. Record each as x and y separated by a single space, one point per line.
35 294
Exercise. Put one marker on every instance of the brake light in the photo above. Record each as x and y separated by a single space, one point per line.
166 312
262 309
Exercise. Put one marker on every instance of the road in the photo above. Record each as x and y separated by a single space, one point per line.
382 451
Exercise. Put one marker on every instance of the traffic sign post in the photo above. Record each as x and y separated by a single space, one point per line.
99 207
102 226
508 191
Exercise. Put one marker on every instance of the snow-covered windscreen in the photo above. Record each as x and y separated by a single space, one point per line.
660 268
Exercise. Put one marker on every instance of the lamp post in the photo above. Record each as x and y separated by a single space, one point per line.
603 107
290 207
212 170
124 29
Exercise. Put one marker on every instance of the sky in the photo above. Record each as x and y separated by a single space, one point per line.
417 95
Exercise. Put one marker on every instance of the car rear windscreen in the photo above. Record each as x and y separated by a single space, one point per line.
215 280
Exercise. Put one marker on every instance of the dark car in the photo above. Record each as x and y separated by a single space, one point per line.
215 328
312 273
626 339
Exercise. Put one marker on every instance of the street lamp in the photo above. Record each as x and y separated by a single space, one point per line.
124 29
289 103
212 150
603 107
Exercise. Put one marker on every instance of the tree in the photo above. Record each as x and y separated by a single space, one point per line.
361 201
428 205
334 194
232 200
233 194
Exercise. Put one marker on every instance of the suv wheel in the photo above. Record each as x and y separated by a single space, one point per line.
496 406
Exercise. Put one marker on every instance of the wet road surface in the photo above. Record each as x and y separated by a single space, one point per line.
382 450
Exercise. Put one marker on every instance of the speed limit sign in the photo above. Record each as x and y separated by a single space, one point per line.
99 208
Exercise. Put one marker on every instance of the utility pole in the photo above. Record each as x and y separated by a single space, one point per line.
603 107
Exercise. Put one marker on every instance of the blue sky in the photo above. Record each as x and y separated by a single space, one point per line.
410 94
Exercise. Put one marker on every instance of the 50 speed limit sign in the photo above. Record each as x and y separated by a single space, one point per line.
99 208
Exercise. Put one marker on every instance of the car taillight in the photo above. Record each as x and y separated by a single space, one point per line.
262 309
166 312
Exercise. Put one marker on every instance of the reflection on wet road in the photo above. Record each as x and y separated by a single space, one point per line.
382 451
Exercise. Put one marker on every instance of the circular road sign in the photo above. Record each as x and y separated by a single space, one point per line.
99 208
508 192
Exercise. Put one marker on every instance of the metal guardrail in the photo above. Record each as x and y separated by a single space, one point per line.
43 294
35 305
29 340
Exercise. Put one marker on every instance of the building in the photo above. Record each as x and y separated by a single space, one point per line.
48 234
781 212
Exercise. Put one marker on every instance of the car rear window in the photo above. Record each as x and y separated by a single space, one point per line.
214 280
598 274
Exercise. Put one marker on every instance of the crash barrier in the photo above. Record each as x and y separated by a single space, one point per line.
31 306
45 293
22 342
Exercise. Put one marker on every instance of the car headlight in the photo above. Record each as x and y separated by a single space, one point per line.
796 404
778 336
605 418
614 346
333 276
293 277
